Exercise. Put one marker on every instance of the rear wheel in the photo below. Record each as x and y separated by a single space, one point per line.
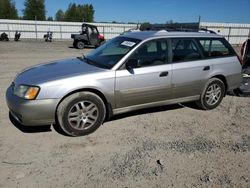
80 44
212 94
81 113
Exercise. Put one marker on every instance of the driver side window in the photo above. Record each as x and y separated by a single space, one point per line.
151 53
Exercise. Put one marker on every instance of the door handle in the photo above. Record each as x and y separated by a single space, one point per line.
163 74
206 68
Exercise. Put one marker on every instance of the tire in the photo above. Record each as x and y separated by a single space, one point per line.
81 113
80 44
212 94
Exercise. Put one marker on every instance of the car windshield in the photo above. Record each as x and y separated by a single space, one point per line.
107 55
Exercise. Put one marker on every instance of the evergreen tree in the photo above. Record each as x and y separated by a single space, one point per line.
34 9
59 15
8 10
71 13
50 18
88 12
79 13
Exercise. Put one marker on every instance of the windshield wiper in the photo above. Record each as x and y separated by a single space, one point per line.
88 61
91 62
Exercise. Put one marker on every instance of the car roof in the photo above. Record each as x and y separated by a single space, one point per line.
142 35
88 25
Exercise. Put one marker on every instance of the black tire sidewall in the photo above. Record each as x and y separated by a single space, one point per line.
68 103
222 86
80 44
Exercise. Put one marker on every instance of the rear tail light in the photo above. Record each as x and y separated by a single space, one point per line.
100 36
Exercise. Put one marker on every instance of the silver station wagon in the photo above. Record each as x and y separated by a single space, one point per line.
130 72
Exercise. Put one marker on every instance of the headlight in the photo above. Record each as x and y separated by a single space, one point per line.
26 92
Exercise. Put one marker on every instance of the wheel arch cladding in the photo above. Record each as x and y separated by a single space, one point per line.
223 79
109 111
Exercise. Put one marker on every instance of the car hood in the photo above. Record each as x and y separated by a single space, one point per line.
54 71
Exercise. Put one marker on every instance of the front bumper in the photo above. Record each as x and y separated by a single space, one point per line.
31 112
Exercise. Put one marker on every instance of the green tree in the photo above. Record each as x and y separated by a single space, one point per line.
71 13
34 9
79 13
50 18
59 15
8 10
87 12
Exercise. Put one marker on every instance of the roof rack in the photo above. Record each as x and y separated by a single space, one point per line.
207 30
184 27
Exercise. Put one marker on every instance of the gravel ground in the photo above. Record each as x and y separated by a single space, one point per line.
171 146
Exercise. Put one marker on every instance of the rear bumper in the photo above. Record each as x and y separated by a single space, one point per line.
31 112
233 82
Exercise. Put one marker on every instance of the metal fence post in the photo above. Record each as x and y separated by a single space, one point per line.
249 33
229 34
36 29
103 30
61 31
8 27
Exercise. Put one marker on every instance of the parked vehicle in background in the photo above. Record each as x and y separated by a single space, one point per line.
89 36
48 37
17 36
245 53
244 89
4 37
130 72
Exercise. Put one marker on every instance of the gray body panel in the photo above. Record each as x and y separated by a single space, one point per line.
124 90
142 86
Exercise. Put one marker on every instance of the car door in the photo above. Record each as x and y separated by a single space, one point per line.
148 82
190 71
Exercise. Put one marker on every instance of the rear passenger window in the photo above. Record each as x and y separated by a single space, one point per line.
151 47
185 50
215 48
152 53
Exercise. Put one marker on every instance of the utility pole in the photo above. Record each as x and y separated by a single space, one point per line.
199 21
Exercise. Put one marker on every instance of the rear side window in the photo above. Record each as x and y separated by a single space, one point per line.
185 50
215 48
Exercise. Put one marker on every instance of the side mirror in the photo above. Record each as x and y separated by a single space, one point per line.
133 63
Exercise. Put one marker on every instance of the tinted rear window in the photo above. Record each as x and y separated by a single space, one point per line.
216 48
185 50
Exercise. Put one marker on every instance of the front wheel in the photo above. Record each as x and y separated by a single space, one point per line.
81 113
212 95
